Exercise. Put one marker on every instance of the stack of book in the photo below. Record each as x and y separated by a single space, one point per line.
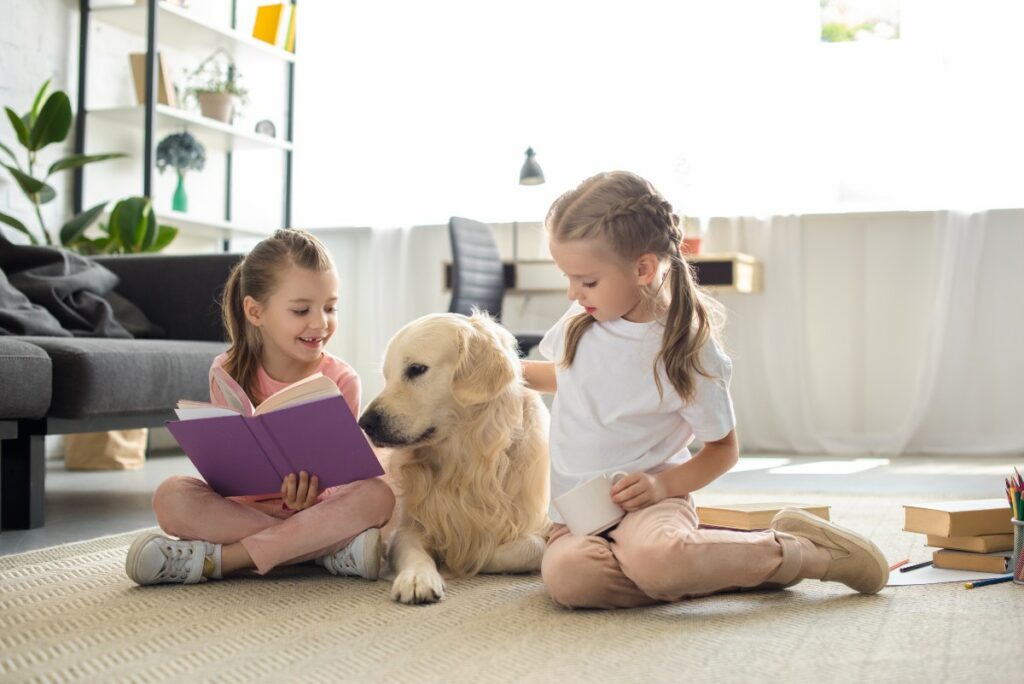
970 535
753 516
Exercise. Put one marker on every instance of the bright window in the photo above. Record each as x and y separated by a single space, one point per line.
410 112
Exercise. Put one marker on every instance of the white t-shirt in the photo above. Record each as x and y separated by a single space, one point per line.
607 414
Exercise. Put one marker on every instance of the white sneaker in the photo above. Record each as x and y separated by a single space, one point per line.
361 558
154 559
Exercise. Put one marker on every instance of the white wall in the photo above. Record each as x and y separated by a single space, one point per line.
35 46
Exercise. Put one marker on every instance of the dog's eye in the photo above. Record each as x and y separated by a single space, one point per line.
415 370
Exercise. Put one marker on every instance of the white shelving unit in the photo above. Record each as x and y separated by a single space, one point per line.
180 28
177 28
215 134
204 227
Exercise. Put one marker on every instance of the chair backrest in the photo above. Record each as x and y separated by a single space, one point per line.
478 276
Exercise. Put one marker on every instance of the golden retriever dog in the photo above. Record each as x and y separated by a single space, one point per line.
471 465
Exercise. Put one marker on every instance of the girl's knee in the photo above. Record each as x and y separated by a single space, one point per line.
662 567
169 501
380 497
573 573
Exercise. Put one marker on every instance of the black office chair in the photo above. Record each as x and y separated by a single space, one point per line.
478 276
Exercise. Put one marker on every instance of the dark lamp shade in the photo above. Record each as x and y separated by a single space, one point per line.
531 174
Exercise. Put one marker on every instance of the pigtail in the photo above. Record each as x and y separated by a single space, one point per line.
691 320
574 329
243 355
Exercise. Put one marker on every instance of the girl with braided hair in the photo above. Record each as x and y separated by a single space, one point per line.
638 374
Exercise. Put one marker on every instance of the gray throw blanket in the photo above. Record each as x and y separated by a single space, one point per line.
61 293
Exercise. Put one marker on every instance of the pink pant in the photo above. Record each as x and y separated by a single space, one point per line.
660 554
187 508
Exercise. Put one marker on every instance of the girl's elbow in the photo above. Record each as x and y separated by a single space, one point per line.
729 449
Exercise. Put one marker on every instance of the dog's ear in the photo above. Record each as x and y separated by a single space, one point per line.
485 365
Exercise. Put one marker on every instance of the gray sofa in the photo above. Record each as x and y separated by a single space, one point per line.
62 385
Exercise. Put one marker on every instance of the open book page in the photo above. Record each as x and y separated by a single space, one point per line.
233 393
316 386
193 410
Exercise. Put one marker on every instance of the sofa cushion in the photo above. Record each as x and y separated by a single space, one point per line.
97 377
25 379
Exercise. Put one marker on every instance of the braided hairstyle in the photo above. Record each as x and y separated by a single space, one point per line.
256 276
632 218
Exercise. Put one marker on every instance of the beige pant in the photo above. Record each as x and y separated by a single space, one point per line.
187 508
660 554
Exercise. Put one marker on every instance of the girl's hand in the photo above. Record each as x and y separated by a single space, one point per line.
637 490
300 491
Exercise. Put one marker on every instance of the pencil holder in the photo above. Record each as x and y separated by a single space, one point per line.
1017 560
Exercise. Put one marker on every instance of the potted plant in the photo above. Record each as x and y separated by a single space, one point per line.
217 88
45 123
182 152
131 229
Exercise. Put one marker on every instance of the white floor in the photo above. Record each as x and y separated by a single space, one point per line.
83 505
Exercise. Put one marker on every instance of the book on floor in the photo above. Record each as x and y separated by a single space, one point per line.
753 516
246 450
984 543
998 562
959 518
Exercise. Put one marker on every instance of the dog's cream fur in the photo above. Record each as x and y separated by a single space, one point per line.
471 467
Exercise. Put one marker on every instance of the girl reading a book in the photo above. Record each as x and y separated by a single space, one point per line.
638 374
279 312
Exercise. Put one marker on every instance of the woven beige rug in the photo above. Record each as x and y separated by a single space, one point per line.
68 613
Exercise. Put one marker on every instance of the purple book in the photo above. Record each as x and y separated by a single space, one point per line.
244 455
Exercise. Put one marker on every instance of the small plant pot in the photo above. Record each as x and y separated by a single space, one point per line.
691 246
219 106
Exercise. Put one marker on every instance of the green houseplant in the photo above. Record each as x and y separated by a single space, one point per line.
182 152
131 229
44 124
217 87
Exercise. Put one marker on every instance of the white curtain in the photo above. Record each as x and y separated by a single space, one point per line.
883 333
914 350
400 280
767 339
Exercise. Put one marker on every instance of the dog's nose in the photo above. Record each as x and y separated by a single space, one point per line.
370 422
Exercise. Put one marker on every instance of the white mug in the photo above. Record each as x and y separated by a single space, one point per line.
589 509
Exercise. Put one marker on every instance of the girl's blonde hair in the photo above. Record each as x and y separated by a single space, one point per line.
631 218
257 276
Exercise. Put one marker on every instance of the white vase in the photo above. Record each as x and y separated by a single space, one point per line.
219 106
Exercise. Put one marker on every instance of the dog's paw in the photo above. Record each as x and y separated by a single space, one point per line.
418 585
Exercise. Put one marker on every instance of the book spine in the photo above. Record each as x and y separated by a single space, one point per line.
272 450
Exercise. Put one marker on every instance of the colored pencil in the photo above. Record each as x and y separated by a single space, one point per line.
985 583
898 564
915 566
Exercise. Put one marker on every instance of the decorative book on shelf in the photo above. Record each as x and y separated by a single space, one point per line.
165 92
998 562
753 516
959 518
275 24
244 450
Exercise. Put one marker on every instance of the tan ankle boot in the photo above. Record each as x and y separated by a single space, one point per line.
852 559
